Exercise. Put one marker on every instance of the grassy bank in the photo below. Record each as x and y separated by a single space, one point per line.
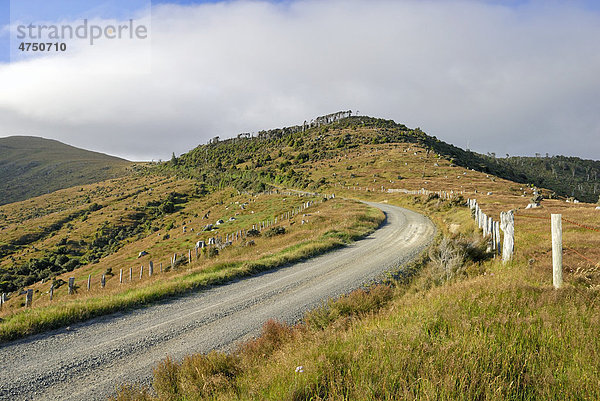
486 331
337 224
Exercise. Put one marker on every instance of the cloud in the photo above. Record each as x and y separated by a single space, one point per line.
513 79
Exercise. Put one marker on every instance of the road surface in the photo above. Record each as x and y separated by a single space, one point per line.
87 361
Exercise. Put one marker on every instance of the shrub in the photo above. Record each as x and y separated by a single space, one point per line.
447 261
211 252
253 233
273 231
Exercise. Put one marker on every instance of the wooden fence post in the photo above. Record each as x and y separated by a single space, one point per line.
497 235
103 281
150 269
89 283
189 256
141 271
71 285
51 291
507 224
28 298
556 226
121 276
161 267
131 274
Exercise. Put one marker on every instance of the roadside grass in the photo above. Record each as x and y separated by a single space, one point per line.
352 221
491 331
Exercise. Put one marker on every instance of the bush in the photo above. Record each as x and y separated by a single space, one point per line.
447 261
211 252
273 231
253 233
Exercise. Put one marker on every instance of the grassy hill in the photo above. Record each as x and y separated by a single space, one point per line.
487 331
33 166
280 157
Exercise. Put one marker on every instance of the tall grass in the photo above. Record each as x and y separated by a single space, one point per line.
487 331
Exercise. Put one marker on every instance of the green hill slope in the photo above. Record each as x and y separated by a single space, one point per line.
32 166
279 156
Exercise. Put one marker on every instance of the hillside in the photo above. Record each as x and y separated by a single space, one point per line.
458 324
279 156
32 166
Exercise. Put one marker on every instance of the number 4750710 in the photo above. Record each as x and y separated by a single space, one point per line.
42 47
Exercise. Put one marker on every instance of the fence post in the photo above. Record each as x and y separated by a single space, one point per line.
150 269
556 227
103 281
28 298
89 283
161 267
507 224
51 291
141 271
71 285
131 274
121 276
189 256
497 235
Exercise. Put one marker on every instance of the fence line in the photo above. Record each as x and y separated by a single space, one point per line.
492 228
217 242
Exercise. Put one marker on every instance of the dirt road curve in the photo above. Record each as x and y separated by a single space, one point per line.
87 361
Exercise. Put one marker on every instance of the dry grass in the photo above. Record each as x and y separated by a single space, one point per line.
330 225
489 331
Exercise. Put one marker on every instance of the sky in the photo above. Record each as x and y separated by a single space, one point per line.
510 77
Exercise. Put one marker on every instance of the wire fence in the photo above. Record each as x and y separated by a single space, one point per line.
209 246
588 227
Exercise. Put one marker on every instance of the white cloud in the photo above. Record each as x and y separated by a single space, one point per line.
505 79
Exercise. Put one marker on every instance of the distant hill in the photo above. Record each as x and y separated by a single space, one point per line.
32 166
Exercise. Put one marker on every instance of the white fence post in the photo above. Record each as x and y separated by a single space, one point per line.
556 226
507 224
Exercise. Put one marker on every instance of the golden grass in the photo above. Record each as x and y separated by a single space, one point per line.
499 332
348 220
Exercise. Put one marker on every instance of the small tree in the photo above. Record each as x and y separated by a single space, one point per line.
537 198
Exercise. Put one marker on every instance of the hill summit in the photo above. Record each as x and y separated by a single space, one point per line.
249 162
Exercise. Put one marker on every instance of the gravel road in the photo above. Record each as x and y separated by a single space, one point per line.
87 361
